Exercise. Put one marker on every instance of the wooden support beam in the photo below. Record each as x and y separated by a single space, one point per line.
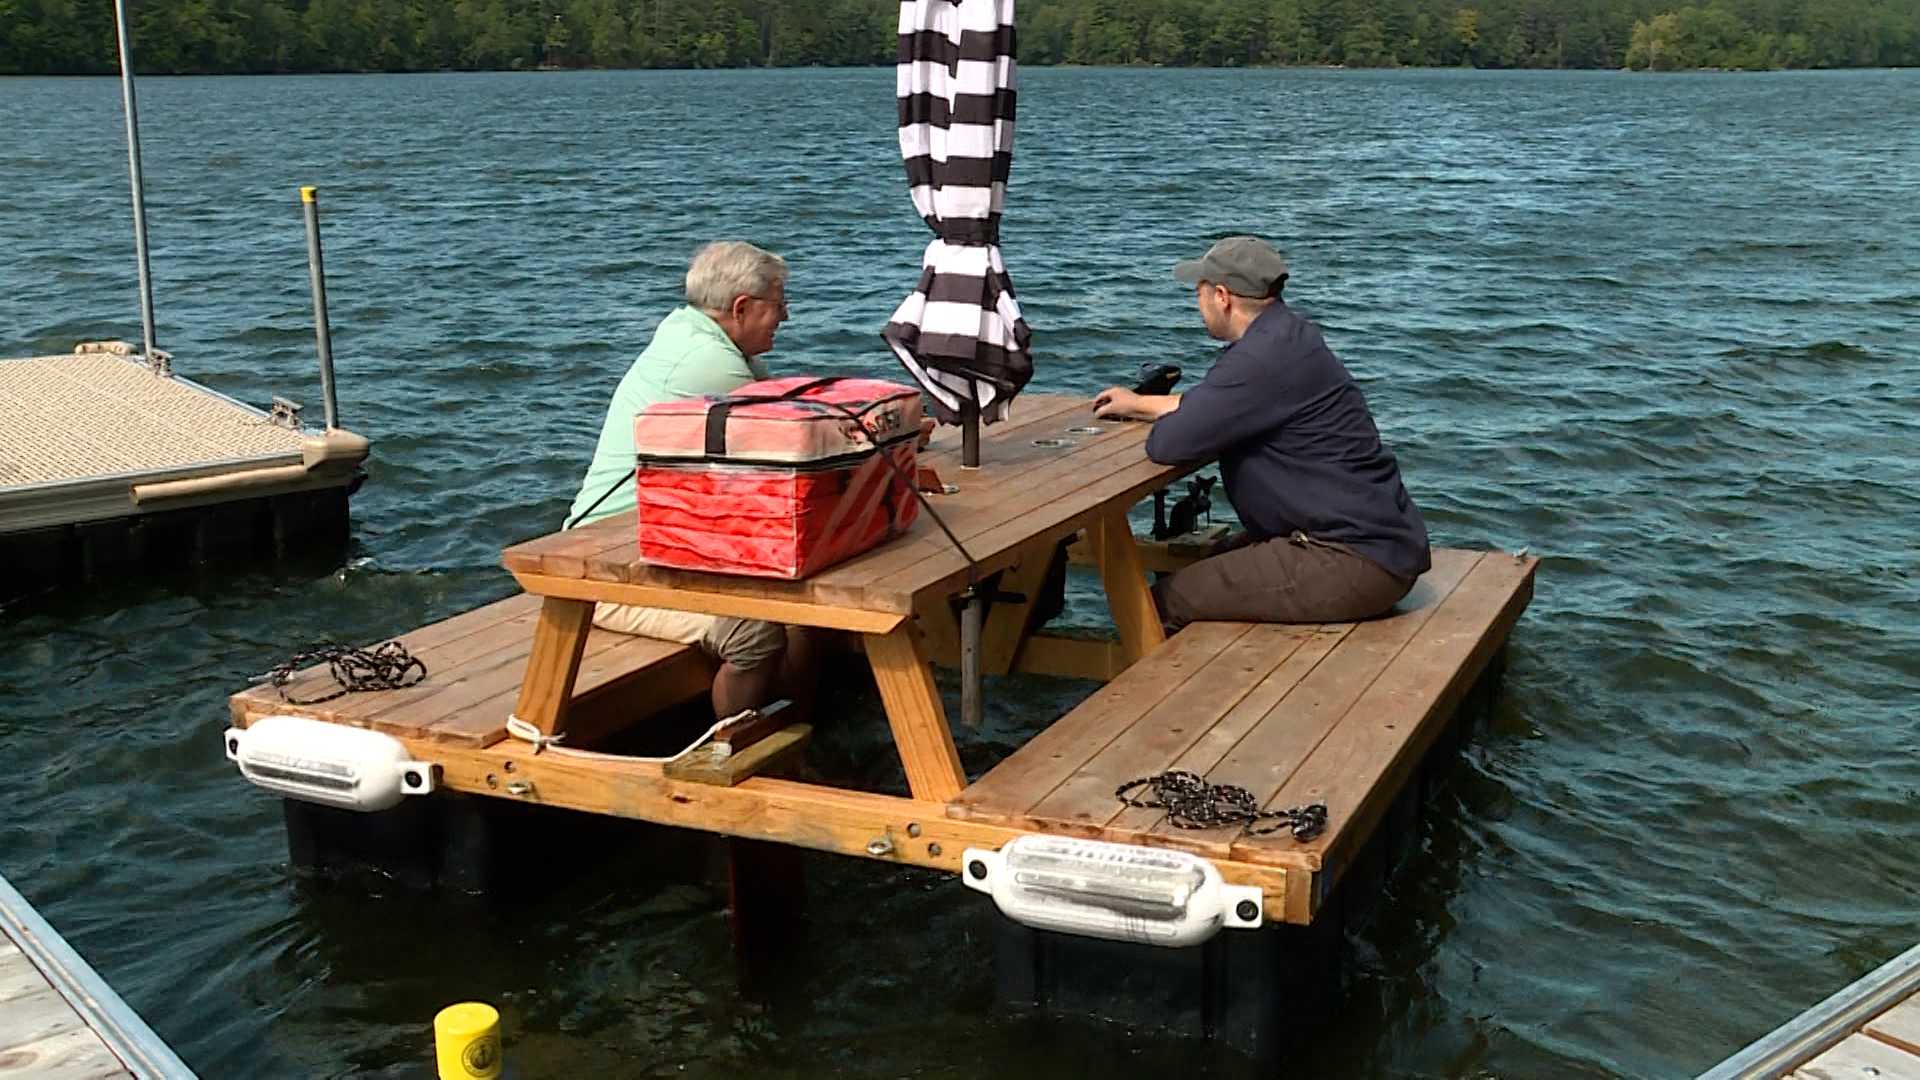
558 640
1102 659
885 828
1159 556
939 631
705 766
914 710
770 608
1009 620
1128 596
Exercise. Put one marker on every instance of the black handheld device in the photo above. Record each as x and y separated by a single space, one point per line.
1157 378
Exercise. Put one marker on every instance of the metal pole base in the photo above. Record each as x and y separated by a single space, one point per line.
972 703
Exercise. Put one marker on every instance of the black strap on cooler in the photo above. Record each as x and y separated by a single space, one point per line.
717 446
722 410
719 412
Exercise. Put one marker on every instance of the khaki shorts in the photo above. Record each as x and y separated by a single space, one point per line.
744 643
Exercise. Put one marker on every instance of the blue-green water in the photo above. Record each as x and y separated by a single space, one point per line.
1659 330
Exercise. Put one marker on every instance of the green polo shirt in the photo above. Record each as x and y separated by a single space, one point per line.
689 356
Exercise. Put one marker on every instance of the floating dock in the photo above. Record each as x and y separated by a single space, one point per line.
1868 1029
58 1018
105 463
1346 715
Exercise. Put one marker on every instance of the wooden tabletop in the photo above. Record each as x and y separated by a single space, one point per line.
1047 471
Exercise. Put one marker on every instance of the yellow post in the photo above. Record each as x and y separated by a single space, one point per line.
466 1041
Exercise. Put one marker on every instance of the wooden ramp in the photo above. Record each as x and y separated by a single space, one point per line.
58 1019
1336 713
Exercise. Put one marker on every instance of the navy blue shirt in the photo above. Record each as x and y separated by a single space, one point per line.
1297 447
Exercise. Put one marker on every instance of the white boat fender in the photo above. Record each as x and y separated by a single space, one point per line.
1122 892
332 764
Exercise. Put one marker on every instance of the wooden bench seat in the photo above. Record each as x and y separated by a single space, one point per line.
475 662
1336 713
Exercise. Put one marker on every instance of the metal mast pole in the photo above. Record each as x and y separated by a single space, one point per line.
155 359
322 329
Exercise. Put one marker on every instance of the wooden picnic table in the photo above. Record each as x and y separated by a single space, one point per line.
1048 472
1343 714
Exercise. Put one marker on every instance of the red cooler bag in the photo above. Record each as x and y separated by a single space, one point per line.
782 478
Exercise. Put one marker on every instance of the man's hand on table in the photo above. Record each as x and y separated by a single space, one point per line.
1120 403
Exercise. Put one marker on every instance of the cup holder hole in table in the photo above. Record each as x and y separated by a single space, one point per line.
1052 443
1089 430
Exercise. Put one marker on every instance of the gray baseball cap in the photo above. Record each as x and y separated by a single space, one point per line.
1246 265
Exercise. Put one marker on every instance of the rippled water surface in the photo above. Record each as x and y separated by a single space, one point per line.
1658 330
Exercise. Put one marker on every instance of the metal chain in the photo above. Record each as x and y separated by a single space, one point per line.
384 667
1192 803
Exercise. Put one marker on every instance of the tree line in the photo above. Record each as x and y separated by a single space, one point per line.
258 36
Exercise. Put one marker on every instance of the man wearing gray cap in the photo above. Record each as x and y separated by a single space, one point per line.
1331 534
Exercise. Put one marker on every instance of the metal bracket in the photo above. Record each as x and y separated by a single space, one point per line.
284 414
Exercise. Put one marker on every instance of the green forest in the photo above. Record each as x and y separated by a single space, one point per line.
258 36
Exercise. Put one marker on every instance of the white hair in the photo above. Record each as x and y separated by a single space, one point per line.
725 269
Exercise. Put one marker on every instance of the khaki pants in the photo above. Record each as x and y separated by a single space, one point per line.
744 643
1287 579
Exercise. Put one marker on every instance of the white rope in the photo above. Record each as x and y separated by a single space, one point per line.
526 732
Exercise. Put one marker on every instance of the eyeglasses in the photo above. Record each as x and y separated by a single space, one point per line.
780 303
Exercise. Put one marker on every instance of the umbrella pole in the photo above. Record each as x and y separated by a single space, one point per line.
969 435
972 705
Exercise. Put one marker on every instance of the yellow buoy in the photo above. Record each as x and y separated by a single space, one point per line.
466 1041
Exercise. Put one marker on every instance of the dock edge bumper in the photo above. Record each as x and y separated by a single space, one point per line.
1121 892
312 760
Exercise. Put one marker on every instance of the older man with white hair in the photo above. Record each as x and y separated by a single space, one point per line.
736 299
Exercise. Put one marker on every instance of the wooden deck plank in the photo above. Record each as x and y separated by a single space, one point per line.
1282 740
412 710
485 648
1899 1026
1084 803
35 1016
674 673
1008 453
1861 1057
482 684
71 1055
1014 470
314 681
18 976
1220 739
618 560
981 513
1364 761
944 571
474 673
1005 793
608 538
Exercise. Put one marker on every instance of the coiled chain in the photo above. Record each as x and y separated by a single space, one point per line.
1192 803
387 666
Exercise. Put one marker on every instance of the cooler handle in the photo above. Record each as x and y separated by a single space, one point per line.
718 413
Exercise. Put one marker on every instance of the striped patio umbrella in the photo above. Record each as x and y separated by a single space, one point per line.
960 334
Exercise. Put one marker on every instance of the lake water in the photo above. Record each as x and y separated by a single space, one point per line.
1659 330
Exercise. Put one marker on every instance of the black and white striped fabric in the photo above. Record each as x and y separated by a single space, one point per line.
960 334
